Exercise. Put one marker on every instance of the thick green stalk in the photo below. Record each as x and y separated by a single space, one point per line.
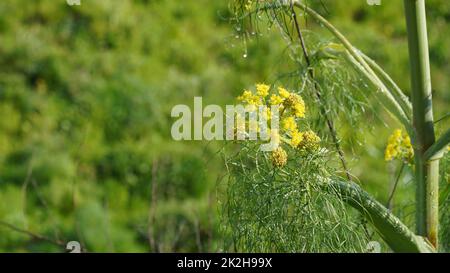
388 99
390 228
427 172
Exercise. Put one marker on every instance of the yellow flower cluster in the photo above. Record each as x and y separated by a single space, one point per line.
296 103
399 147
279 157
262 90
249 98
289 124
310 141
292 108
276 100
297 138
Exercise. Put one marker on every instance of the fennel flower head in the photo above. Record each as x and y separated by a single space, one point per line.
279 157
292 111
399 147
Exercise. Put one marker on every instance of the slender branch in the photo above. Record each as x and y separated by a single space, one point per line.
388 99
442 118
32 234
328 119
436 150
394 188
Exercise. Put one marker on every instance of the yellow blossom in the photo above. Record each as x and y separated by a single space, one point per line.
299 110
399 147
391 152
248 97
279 158
310 141
283 92
296 139
296 103
245 96
275 99
289 124
262 90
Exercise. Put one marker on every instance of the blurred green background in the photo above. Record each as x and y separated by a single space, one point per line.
85 99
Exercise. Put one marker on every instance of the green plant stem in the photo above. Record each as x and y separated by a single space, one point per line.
396 234
388 99
383 93
396 91
427 172
317 92
394 188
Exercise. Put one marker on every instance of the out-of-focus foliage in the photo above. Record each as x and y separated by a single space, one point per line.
85 99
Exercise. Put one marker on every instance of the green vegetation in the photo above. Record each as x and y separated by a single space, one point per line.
85 99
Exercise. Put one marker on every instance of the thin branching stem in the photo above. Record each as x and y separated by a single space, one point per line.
394 188
437 149
323 110
33 234
389 100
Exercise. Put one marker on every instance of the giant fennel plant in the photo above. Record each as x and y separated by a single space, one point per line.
294 198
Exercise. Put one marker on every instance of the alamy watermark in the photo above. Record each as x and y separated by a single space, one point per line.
73 2
374 2
249 122
73 247
373 247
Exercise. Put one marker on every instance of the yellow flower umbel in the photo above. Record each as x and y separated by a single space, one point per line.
248 97
310 142
283 92
291 109
296 104
289 124
279 158
296 139
262 90
276 100
399 147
